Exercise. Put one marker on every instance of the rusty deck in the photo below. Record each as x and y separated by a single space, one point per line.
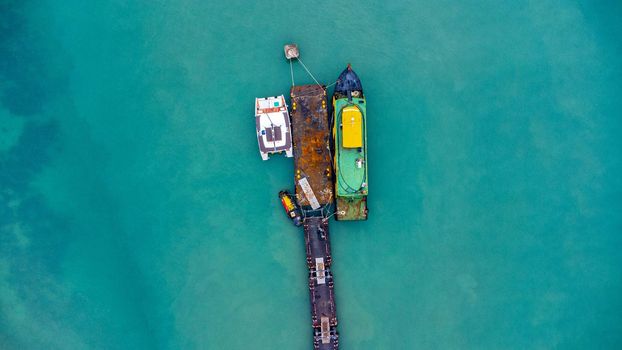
311 141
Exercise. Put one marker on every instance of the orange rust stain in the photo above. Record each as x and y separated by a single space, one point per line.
311 131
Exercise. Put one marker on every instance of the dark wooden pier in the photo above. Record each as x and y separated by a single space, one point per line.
314 193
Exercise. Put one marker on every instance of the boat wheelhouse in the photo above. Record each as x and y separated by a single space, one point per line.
273 126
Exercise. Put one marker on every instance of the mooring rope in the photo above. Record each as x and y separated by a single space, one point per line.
291 70
305 67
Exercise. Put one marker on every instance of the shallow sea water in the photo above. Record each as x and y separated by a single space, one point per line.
136 213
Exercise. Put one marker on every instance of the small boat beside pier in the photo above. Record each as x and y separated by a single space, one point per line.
273 126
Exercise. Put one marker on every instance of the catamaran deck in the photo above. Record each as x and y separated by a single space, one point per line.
273 126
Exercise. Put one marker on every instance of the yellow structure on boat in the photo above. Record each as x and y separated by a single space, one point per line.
351 120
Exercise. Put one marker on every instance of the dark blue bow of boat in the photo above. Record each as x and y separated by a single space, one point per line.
347 82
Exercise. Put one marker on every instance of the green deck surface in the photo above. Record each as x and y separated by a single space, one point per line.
350 201
349 177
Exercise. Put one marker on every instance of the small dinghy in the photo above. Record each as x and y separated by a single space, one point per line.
273 126
291 208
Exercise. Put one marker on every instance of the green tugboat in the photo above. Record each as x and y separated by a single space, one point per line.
350 147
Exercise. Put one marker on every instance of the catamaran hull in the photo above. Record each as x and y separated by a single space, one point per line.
273 128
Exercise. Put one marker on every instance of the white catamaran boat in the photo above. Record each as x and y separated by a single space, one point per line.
273 127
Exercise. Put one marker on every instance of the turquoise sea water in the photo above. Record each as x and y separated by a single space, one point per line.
136 213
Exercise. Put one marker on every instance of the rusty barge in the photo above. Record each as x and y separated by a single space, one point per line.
314 194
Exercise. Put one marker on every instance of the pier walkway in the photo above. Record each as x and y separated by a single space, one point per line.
314 193
321 285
